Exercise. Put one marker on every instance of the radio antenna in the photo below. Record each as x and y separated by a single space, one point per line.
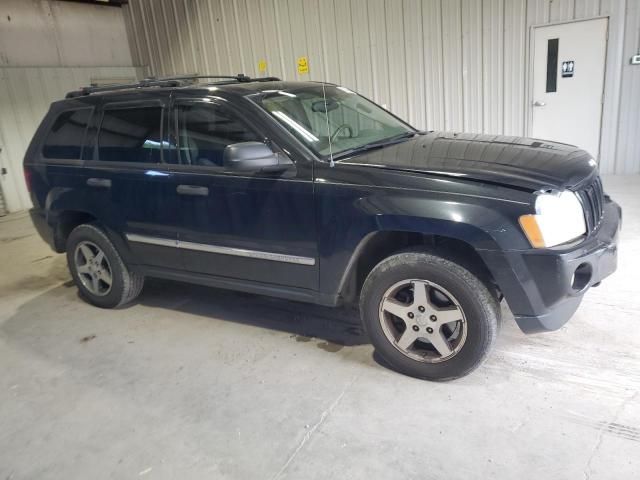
326 114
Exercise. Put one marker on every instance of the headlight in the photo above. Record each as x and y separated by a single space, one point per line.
559 218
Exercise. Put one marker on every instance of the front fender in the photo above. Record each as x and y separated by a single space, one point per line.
350 218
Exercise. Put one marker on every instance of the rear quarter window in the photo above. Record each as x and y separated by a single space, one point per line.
66 136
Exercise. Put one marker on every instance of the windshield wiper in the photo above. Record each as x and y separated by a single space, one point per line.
377 144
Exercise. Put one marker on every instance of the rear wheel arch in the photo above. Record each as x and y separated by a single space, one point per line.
65 222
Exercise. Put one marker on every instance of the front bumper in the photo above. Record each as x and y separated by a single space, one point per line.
545 287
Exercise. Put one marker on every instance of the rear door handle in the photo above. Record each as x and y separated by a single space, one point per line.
192 190
99 182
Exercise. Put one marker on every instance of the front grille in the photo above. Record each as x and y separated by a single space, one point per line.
592 198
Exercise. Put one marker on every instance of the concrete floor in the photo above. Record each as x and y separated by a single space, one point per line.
191 382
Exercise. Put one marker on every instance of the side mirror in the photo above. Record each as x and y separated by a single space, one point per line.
253 157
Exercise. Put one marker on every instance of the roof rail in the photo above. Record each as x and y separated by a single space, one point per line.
241 77
122 86
176 81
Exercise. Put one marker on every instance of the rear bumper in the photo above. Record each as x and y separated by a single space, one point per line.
545 287
43 228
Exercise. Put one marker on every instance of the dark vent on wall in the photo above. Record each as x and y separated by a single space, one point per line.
552 64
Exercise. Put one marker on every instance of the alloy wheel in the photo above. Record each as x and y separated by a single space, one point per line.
423 320
93 268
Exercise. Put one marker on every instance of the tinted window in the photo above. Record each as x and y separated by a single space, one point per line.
67 134
205 130
131 135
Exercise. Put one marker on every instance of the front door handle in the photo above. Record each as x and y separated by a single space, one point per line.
192 190
99 182
538 103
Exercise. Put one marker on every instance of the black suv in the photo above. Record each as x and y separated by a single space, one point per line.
310 192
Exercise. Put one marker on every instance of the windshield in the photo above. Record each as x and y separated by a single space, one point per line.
345 122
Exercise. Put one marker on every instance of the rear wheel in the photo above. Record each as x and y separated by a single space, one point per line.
98 270
428 317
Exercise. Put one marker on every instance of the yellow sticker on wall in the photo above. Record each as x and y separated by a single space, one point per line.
262 66
303 65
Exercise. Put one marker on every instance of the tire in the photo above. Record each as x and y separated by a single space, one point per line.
124 286
451 294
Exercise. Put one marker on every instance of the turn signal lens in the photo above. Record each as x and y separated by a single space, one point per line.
531 229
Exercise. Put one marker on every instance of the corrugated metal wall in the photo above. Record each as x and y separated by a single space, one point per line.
53 34
47 48
25 96
441 64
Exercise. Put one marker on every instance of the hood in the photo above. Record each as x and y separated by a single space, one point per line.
514 161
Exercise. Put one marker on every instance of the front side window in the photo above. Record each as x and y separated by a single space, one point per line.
64 140
205 130
331 120
131 135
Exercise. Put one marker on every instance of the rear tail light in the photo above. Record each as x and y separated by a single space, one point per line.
28 178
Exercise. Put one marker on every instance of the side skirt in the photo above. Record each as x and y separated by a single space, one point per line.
270 290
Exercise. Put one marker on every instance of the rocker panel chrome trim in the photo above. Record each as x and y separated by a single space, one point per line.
237 252
164 242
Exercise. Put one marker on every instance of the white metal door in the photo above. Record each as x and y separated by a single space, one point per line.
568 81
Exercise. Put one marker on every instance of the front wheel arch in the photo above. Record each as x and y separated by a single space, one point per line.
379 245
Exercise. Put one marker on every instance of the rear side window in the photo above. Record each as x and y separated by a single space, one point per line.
204 131
65 139
131 135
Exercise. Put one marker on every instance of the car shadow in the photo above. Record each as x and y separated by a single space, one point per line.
34 323
337 327
56 324
340 326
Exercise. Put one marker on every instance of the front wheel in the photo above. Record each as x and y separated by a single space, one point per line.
428 317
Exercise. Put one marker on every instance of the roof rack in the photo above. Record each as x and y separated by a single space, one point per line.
241 77
176 81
